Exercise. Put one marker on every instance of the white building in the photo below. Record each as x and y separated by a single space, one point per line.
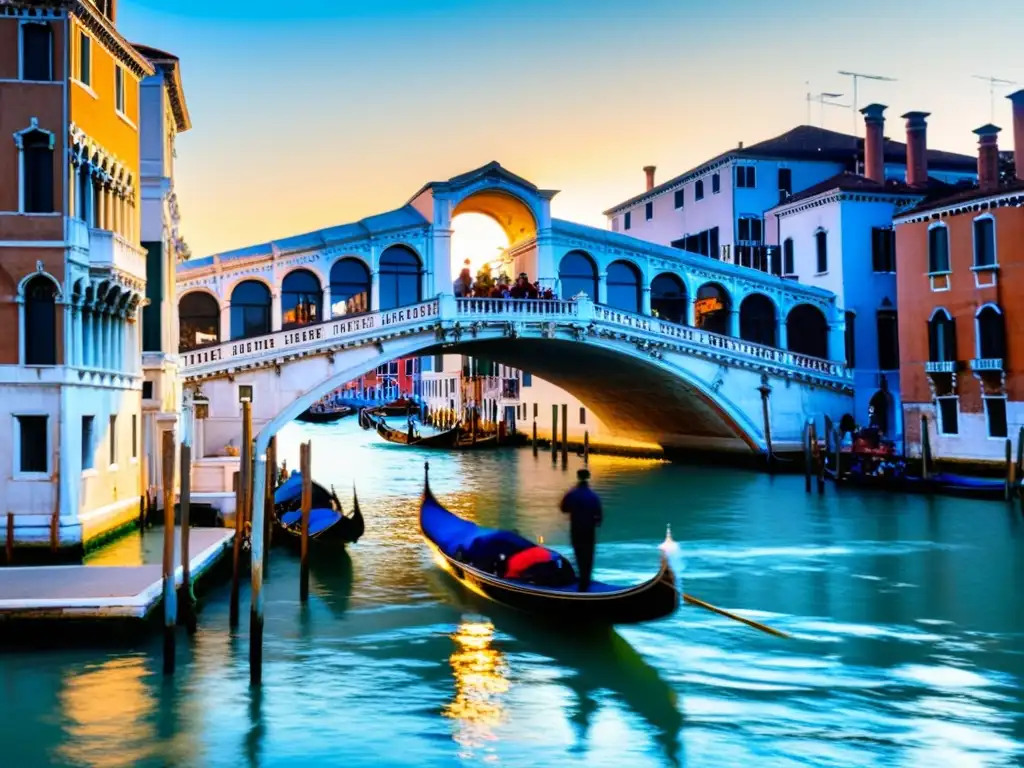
164 115
717 208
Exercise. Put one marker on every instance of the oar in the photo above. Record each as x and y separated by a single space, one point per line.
749 622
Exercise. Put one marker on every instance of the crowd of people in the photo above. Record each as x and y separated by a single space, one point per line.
486 287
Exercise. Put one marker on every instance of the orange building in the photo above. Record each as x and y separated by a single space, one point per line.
72 271
961 299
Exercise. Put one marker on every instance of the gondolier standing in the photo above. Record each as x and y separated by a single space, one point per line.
583 507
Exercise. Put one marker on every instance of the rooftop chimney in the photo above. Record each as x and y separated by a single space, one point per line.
649 170
917 148
988 157
1018 132
874 142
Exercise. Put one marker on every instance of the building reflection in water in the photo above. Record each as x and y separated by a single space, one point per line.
481 682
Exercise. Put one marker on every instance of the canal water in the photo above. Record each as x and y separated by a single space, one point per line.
906 616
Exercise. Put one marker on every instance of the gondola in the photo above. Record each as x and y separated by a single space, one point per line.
327 520
474 556
288 496
324 416
447 439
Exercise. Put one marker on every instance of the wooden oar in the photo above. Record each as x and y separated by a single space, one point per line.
749 622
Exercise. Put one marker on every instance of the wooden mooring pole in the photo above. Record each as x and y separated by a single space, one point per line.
926 449
586 446
170 598
766 391
565 434
1009 469
534 437
307 503
268 504
807 456
554 433
236 554
188 613
9 541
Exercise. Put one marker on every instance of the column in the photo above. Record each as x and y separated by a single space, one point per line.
105 341
78 315
100 206
781 338
837 341
225 322
645 299
72 189
275 311
326 299
602 289
691 311
86 347
374 291
734 323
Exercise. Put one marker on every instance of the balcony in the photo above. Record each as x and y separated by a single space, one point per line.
982 364
941 366
108 250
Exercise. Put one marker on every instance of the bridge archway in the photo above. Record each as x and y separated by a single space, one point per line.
400 277
514 216
758 319
807 331
624 280
577 273
250 309
668 298
351 287
198 320
712 308
301 299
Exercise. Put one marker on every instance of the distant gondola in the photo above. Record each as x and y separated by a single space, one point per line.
447 439
475 556
324 416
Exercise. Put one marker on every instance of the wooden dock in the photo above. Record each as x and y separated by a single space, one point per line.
85 592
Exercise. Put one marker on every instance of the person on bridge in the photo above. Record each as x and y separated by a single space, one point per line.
585 515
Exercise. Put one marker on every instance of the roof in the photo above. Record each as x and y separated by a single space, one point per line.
401 218
493 169
974 196
810 143
170 65
102 28
856 183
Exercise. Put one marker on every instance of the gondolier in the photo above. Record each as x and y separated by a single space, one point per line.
585 515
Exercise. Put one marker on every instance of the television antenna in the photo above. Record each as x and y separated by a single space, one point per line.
823 100
992 83
861 76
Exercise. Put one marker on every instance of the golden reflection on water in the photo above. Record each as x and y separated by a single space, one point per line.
481 680
106 714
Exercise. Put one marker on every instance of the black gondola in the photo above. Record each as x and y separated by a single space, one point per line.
327 520
475 556
324 415
447 439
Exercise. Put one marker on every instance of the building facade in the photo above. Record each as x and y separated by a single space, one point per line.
72 271
961 319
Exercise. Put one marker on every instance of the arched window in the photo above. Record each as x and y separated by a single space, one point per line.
941 337
668 298
40 321
821 249
301 297
807 331
711 309
757 319
399 277
938 250
984 241
991 333
350 288
788 257
623 286
198 321
36 171
577 273
250 310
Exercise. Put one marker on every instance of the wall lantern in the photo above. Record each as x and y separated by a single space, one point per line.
245 393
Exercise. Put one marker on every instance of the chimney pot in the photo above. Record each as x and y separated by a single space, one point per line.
649 170
874 142
917 148
988 157
1018 132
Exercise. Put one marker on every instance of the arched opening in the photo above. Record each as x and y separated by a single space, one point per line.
301 299
757 319
807 331
711 309
847 424
991 333
350 288
879 411
577 274
37 171
250 310
668 298
941 337
198 321
623 286
478 241
40 321
400 283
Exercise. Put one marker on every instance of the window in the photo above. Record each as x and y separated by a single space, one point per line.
439 363
938 250
991 333
577 274
87 423
716 183
410 366
36 52
948 409
135 436
627 220
583 415
37 171
705 243
535 409
40 322
698 190
785 183
250 310
350 288
147 390
528 382
113 439
649 211
984 242
995 415
745 177
821 245
788 267
851 340
888 340
301 299
883 249
623 286
941 337
680 198
34 449
750 229
119 88
84 59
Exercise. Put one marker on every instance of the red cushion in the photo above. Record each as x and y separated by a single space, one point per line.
521 561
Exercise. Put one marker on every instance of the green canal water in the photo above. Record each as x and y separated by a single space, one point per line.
906 615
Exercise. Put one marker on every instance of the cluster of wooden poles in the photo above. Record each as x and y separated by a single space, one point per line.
565 437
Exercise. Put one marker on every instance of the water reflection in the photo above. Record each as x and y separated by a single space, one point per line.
481 682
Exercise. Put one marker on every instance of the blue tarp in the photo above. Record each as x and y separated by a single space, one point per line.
319 519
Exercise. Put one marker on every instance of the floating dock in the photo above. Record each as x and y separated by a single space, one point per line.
95 594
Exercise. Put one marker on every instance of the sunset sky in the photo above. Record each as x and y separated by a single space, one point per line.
311 114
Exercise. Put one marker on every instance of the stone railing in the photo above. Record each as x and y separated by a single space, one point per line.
108 250
521 309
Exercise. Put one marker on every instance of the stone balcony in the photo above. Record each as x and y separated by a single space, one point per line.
110 251
941 366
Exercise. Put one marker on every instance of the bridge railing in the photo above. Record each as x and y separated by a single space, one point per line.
527 308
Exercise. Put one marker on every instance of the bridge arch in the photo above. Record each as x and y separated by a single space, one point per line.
807 331
251 309
758 319
400 276
199 313
350 282
712 308
302 295
669 298
512 211
577 272
624 284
